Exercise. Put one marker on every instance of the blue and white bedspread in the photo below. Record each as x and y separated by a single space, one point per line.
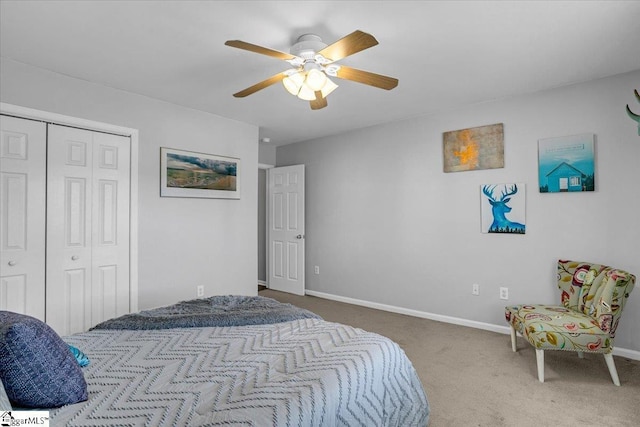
306 372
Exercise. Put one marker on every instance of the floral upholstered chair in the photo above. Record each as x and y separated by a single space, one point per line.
593 297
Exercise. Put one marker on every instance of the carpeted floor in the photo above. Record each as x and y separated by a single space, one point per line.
472 378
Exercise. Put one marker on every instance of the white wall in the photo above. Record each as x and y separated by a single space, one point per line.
182 242
386 225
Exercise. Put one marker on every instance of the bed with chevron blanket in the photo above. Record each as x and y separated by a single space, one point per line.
290 372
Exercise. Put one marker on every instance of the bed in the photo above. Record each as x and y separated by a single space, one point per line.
243 361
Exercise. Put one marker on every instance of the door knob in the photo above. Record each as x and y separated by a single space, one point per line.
12 263
75 257
299 236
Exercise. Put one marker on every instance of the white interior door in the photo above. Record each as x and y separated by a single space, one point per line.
110 227
22 215
87 228
286 229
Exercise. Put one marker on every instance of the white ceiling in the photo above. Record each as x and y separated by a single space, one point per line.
445 53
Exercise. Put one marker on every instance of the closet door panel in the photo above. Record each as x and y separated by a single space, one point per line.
22 216
76 299
110 260
13 294
69 236
88 228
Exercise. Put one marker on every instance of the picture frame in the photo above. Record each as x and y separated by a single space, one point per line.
503 208
475 148
198 175
566 163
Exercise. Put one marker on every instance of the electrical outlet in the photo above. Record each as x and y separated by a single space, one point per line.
200 291
316 269
504 293
475 289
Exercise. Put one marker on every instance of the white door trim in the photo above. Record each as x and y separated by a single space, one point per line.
45 116
266 167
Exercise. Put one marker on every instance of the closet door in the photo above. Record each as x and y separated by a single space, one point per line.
87 228
22 215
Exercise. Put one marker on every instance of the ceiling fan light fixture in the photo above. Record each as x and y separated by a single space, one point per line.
306 93
293 83
315 79
328 87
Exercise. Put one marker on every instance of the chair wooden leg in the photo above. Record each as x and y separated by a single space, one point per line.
612 368
540 363
513 339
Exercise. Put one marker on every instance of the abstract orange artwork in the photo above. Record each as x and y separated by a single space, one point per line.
474 148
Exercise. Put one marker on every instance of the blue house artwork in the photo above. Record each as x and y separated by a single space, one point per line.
566 164
565 178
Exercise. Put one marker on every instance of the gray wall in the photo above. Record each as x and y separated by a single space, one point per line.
183 243
267 154
386 225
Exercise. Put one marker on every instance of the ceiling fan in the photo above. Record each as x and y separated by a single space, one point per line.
313 62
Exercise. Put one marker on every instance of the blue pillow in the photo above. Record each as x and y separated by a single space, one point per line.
81 358
37 369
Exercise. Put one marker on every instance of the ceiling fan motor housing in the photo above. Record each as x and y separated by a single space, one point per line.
307 46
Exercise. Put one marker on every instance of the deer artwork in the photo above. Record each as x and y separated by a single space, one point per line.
499 208
633 115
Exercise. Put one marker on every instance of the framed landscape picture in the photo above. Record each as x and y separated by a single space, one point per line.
190 174
566 163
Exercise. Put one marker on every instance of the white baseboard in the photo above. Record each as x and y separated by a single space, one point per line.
622 352
262 283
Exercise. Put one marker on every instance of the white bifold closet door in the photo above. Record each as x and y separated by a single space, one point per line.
23 152
87 247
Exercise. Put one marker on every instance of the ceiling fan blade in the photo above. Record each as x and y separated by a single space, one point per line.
259 49
259 86
365 77
319 102
348 45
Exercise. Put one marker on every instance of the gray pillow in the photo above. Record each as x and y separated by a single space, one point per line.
37 369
